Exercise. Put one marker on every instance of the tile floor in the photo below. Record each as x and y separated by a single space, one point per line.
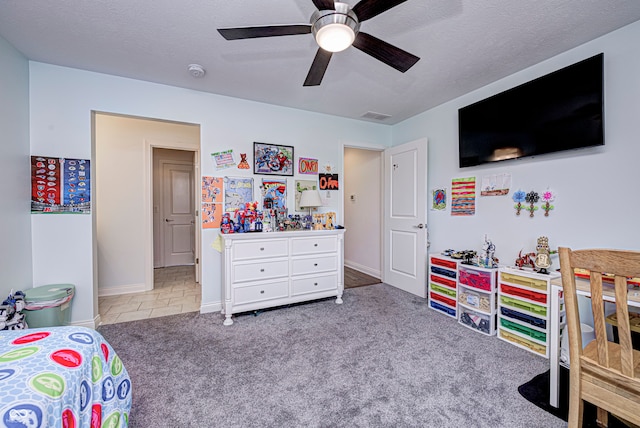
175 291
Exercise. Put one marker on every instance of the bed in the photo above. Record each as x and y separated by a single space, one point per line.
61 377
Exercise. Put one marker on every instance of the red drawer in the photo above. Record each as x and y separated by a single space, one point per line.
527 294
442 299
444 281
446 263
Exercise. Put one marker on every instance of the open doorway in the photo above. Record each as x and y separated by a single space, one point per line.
130 154
362 216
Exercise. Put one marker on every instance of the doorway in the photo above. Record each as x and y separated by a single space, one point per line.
363 181
126 226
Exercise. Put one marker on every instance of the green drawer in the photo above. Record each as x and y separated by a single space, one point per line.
443 290
526 306
534 334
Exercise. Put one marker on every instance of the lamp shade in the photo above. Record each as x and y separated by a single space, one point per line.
310 198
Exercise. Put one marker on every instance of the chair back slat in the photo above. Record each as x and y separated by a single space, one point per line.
597 307
624 329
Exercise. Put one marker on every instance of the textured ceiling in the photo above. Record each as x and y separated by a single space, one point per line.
463 45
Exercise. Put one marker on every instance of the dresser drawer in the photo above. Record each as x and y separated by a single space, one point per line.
257 293
314 265
312 245
317 284
260 249
259 270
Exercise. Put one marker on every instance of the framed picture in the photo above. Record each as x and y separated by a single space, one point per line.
272 159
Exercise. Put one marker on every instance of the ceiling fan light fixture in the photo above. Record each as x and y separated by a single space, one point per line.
335 30
335 37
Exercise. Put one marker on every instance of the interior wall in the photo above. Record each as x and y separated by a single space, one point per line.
62 100
15 173
363 210
119 194
595 204
160 155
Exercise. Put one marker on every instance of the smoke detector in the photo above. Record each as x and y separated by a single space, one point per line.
196 70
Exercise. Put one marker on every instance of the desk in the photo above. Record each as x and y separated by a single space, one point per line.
558 320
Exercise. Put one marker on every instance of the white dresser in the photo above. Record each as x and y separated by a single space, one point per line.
261 270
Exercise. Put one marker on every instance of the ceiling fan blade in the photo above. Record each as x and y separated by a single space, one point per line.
383 51
367 9
265 31
324 4
319 66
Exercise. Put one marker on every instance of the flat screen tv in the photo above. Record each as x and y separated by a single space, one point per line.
563 110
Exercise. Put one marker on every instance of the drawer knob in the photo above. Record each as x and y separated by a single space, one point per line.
315 245
262 270
261 248
315 283
261 291
315 264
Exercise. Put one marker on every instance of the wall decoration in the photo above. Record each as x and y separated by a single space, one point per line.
211 202
60 185
243 162
308 166
212 189
463 196
211 215
303 185
272 159
328 182
495 185
532 198
223 160
547 197
237 192
519 197
439 199
276 191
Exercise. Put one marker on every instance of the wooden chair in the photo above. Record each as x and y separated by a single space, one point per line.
604 373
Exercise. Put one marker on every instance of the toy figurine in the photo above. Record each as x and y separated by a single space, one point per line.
543 261
487 258
227 225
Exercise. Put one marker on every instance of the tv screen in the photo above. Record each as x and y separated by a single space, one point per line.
562 110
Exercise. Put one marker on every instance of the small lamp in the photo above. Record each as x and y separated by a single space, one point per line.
310 199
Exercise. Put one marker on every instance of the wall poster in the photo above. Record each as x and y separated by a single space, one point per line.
211 202
463 196
276 190
60 185
237 193
272 159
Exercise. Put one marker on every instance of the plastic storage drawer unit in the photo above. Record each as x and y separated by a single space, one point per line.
48 305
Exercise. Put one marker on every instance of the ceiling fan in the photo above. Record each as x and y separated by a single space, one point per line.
335 26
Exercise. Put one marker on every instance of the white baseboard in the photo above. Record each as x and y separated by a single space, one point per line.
206 308
92 324
364 269
121 289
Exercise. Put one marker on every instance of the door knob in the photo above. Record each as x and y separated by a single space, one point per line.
420 226
168 220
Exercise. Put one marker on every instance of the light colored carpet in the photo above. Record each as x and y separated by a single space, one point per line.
382 359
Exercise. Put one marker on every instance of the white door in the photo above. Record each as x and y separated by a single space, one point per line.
178 214
405 217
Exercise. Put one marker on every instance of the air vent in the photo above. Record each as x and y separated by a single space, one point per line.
376 116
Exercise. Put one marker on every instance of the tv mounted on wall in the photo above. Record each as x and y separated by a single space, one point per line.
562 110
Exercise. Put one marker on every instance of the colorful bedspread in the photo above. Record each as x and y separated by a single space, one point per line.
61 377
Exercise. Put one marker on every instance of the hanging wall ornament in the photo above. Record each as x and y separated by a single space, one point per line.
532 198
547 197
519 197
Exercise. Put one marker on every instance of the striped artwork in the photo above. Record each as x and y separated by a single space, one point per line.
463 196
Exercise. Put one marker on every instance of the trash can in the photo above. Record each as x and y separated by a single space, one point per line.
48 305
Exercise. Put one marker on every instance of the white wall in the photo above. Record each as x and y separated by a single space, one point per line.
363 215
15 173
119 194
61 103
597 201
